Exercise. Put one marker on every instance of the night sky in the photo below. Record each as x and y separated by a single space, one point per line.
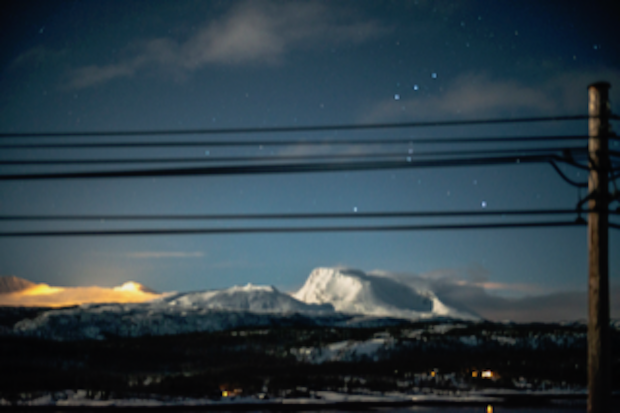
134 65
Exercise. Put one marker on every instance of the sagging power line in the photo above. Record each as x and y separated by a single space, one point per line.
276 230
282 129
293 142
574 151
291 168
600 167
296 216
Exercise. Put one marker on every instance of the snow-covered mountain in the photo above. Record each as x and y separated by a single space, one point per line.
330 296
180 313
377 294
253 298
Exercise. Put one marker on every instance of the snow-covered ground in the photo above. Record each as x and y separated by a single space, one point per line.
77 398
349 350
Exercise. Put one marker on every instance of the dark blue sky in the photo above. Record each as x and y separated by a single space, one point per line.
117 65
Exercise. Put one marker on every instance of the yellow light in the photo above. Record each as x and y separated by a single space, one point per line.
42 295
41 289
487 374
474 373
129 286
489 409
432 374
225 393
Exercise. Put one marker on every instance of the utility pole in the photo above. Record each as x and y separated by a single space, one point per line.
599 360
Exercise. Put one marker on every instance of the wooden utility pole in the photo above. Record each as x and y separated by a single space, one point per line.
599 360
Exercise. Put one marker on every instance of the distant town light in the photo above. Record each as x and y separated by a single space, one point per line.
487 374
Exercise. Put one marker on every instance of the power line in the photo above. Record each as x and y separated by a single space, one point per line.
566 178
293 142
291 216
280 129
275 230
286 168
412 155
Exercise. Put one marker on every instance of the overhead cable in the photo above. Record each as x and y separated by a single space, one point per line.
281 129
566 178
263 158
294 216
275 230
285 168
293 142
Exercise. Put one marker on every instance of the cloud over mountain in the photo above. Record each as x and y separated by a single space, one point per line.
547 307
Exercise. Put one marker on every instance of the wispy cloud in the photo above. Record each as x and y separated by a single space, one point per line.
530 306
37 56
252 32
482 95
164 254
472 291
509 287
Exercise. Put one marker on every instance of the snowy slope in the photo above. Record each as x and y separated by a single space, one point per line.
384 295
179 313
244 298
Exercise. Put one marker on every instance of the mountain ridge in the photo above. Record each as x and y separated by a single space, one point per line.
11 284
254 298
334 297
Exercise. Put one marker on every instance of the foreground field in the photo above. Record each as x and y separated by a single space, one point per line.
441 359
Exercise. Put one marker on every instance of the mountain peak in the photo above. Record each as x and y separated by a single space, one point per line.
133 286
254 298
12 284
249 288
379 294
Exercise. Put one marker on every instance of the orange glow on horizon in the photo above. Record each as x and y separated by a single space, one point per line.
41 289
129 286
43 295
